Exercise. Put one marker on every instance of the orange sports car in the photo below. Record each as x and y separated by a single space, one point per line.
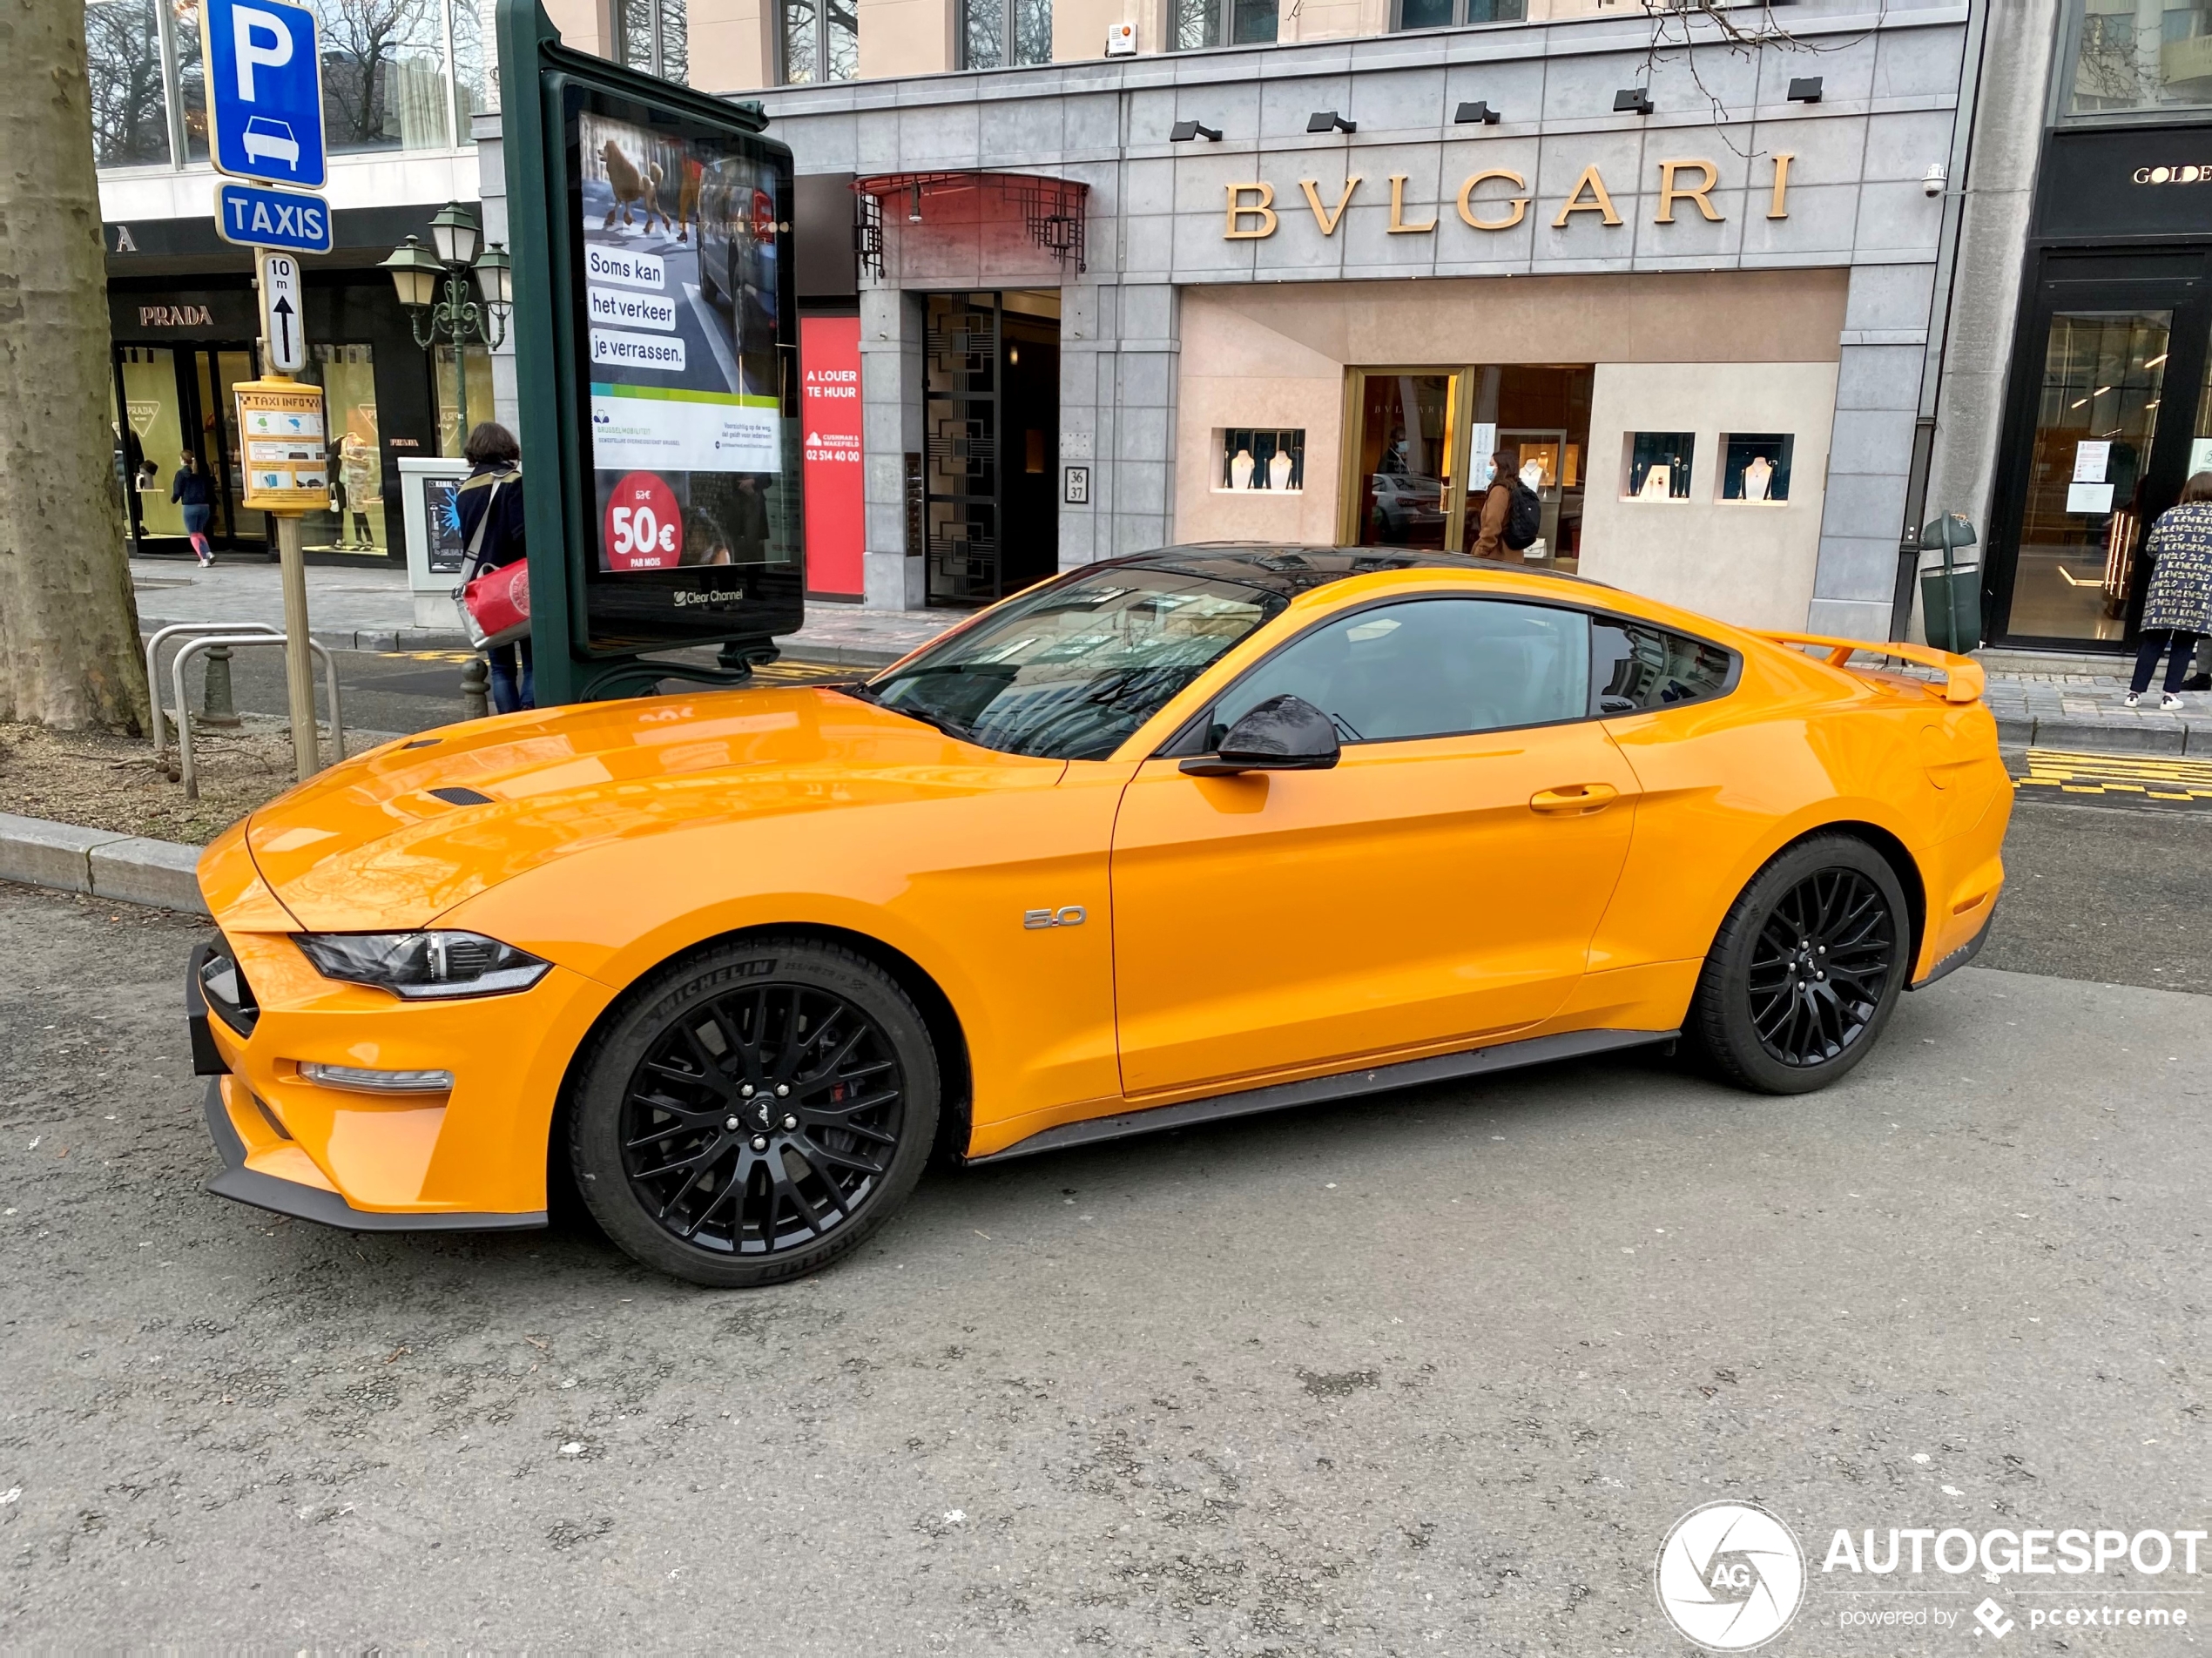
1169 838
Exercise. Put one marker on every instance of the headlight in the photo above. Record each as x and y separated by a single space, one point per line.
423 964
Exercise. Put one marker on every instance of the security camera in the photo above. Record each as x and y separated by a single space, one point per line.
1933 181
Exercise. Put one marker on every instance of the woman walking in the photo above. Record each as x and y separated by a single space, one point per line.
490 505
194 491
2178 611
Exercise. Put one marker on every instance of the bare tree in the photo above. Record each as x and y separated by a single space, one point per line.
68 626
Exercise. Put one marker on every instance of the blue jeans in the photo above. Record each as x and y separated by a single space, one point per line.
512 689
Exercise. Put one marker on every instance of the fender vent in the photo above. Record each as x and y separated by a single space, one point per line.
461 797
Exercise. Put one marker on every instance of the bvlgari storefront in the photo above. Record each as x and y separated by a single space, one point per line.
1282 301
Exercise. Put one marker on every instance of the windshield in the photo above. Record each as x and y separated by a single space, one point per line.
1067 672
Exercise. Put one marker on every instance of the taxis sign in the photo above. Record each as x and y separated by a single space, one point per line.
280 425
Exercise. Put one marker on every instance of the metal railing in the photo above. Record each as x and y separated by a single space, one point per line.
210 636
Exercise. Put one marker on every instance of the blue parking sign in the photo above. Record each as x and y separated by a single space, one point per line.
264 72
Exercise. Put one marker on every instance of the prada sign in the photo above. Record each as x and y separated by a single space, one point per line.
1497 198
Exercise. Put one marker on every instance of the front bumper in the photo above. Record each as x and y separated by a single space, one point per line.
303 1202
473 1158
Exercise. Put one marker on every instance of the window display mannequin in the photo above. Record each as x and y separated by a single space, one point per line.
1240 470
1758 477
1656 486
1279 471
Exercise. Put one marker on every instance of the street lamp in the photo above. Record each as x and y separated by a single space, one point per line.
416 271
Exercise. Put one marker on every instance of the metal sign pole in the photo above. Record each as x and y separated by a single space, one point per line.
299 672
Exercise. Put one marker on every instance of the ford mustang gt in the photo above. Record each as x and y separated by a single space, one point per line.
1174 838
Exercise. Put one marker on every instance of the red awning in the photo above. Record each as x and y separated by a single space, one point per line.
1050 209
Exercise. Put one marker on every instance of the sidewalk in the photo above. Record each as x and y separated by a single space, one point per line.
2041 700
371 609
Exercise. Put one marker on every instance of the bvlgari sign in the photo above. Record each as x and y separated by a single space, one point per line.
1498 198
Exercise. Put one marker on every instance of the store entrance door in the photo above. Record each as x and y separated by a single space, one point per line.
2110 414
169 399
991 431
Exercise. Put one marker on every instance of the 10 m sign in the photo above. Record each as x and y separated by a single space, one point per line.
644 527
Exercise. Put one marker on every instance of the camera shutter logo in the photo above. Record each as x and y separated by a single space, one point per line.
1730 1576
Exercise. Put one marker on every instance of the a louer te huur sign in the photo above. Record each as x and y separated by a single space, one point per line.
1496 198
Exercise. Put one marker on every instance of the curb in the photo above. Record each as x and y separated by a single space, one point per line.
2103 737
131 869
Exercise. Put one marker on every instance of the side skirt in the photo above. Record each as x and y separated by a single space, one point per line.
1381 1079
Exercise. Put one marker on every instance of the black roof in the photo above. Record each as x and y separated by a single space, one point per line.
1291 570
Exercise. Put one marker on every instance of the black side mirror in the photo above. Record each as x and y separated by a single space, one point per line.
1282 734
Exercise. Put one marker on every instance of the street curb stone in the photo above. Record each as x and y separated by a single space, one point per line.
132 869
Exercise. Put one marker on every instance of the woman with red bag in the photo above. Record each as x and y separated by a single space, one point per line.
490 502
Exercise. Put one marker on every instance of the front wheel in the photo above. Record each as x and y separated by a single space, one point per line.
1806 969
757 1111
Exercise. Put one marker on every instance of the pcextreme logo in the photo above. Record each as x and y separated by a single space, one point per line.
1730 1576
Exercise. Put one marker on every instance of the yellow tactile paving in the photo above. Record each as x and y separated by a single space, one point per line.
2143 777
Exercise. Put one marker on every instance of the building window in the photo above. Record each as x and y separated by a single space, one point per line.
1659 465
1755 466
1262 458
821 41
987 26
130 106
1449 14
2137 57
650 35
1199 23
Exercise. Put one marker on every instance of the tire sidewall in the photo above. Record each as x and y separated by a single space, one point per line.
1747 1055
595 1132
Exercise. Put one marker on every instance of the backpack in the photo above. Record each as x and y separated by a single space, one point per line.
1524 516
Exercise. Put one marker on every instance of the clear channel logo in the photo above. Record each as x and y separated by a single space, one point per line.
1730 1576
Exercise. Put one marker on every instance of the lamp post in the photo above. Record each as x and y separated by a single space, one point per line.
416 274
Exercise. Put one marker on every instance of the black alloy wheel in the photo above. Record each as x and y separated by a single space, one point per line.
759 1111
1819 966
1806 968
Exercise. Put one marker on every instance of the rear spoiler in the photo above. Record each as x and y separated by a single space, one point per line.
1963 678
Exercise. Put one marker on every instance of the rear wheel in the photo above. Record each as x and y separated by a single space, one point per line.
1806 969
755 1113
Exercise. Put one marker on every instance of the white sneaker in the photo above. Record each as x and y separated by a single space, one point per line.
2170 703
2133 699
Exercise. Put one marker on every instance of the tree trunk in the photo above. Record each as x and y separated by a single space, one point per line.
69 623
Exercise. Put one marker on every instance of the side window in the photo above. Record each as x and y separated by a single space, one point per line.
1635 666
1429 668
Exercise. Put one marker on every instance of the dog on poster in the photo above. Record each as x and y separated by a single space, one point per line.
629 185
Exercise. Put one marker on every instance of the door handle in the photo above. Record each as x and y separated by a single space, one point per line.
1574 799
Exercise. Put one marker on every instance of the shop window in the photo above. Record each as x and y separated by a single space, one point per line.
2123 57
452 431
1658 465
1262 458
820 41
996 33
1198 24
153 438
130 108
1755 466
1448 14
355 520
652 35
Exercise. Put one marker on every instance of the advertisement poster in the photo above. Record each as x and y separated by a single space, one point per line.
680 246
829 416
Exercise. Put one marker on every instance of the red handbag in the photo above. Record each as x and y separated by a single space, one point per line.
494 605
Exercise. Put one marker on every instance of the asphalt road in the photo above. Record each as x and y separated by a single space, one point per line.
1431 1374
